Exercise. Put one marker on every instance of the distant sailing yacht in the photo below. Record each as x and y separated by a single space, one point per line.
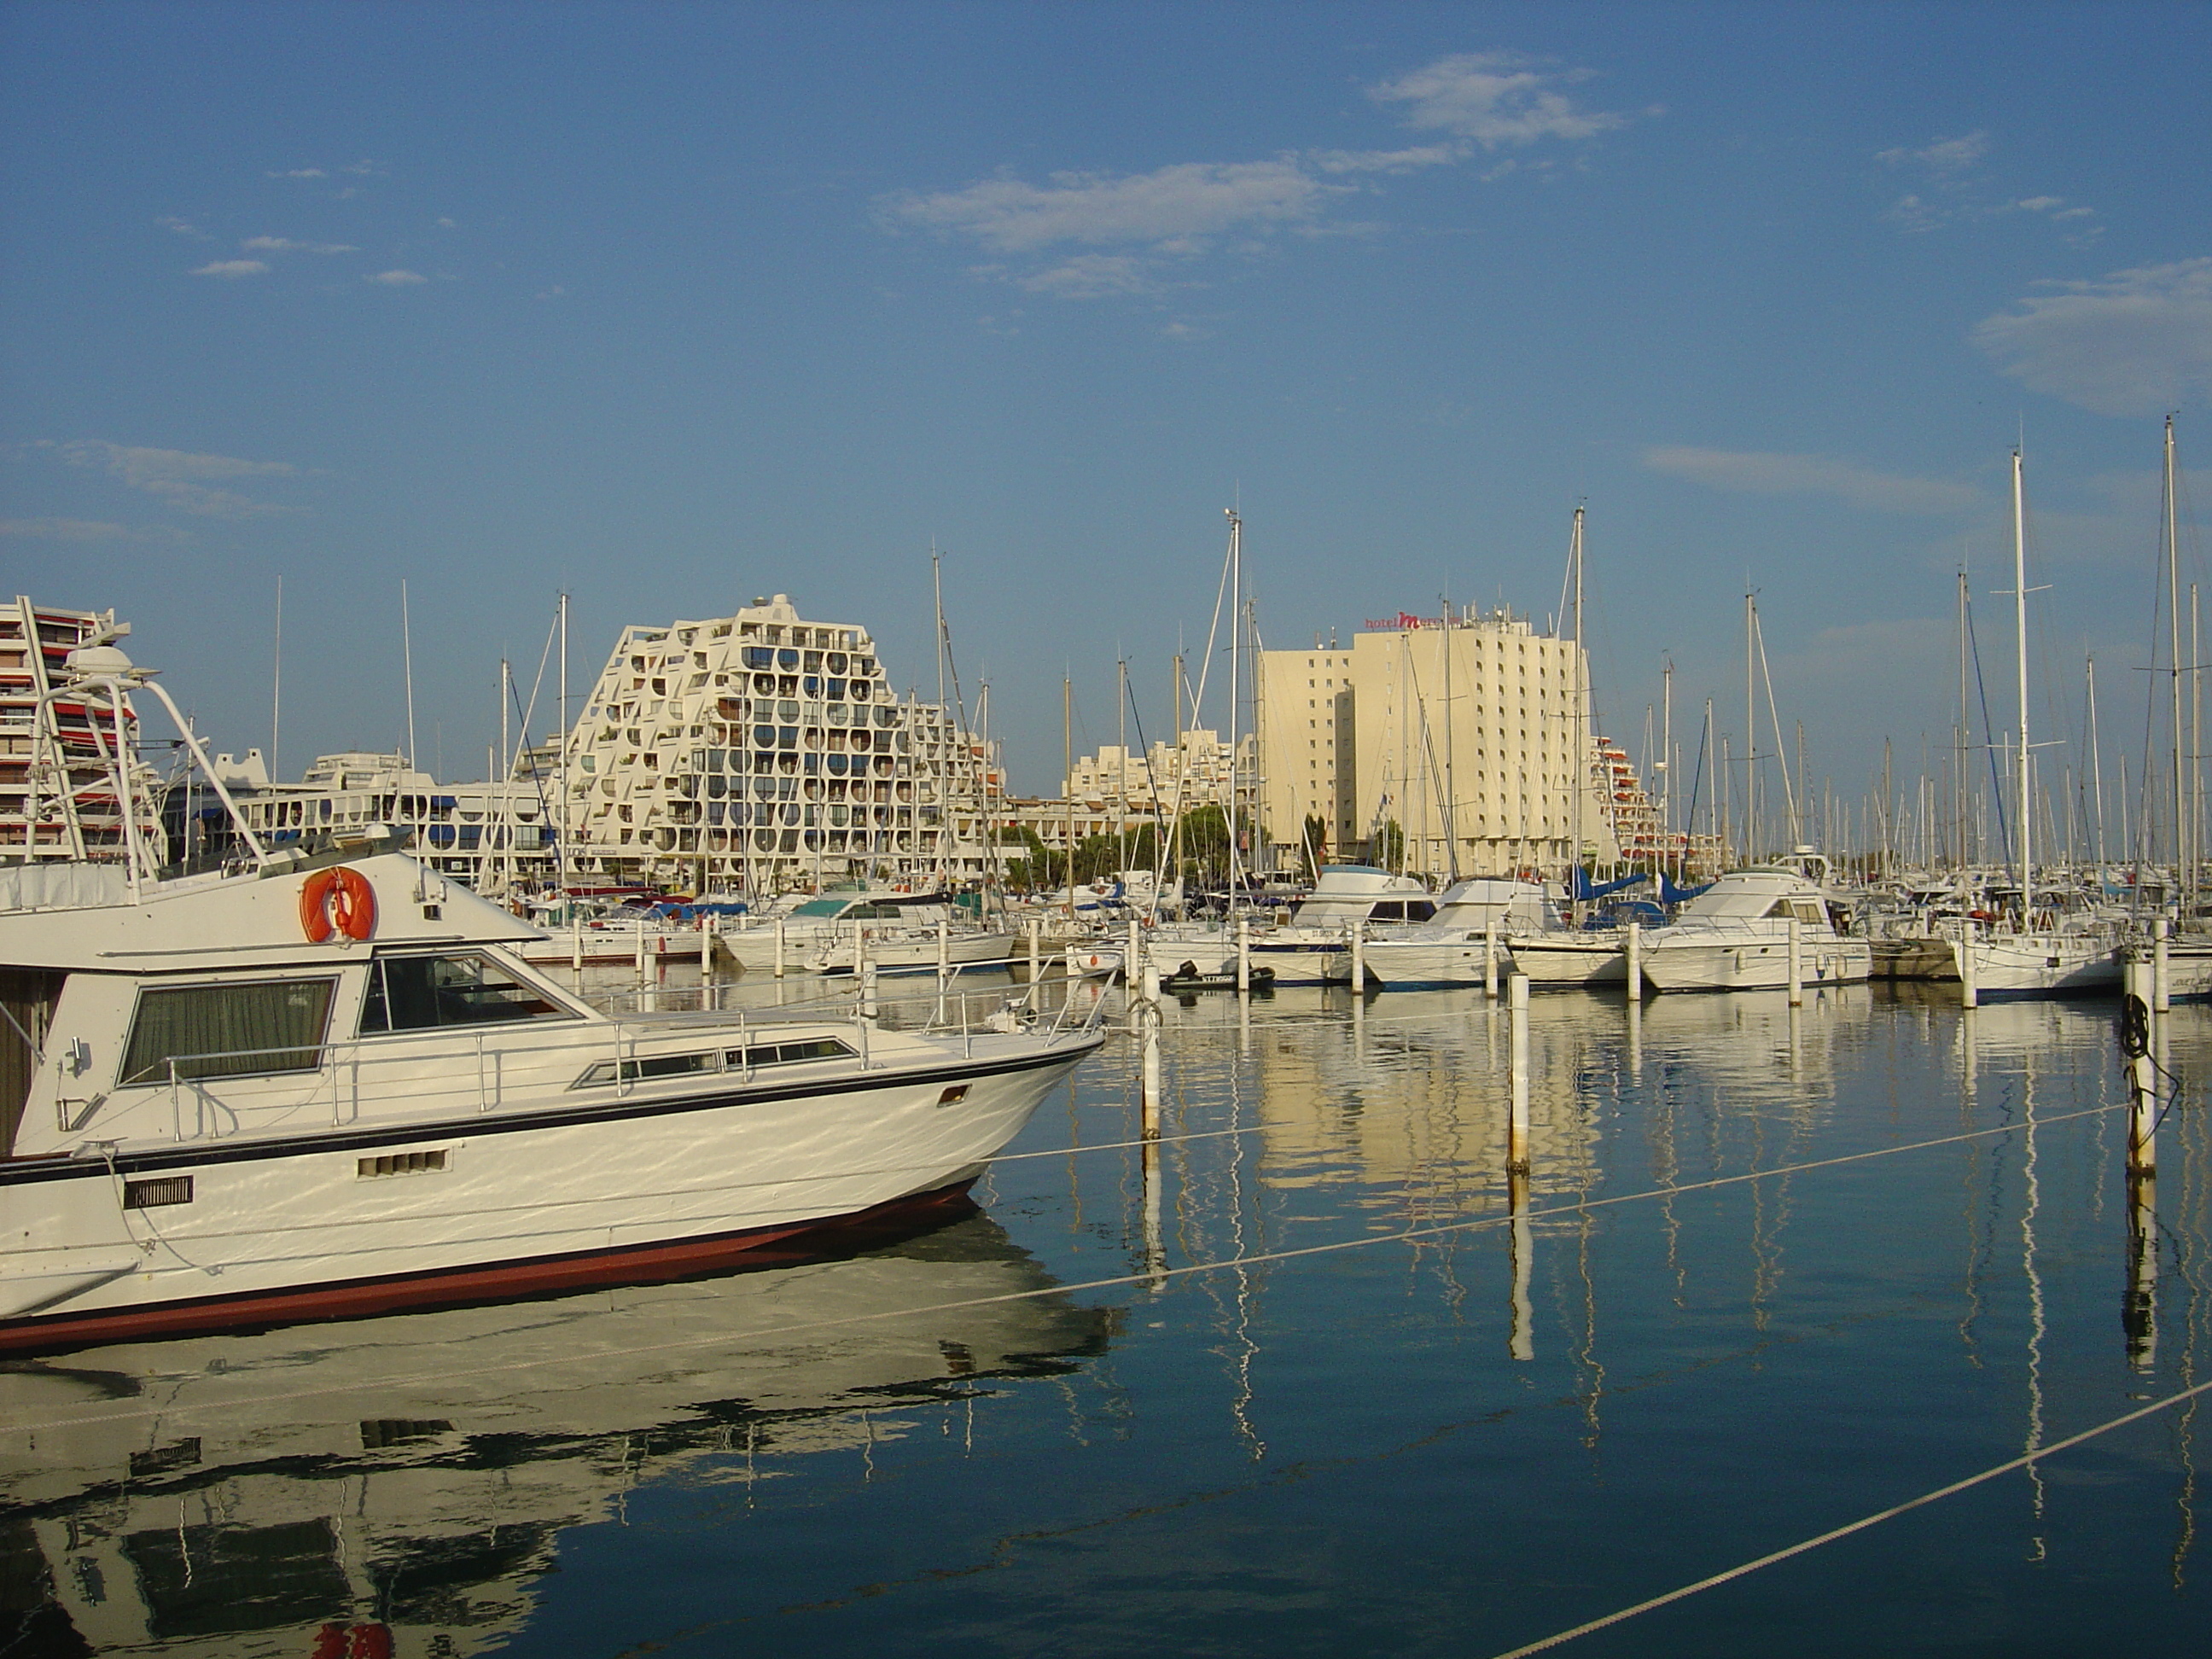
2047 953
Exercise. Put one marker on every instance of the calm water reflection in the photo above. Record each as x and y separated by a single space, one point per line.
1027 1433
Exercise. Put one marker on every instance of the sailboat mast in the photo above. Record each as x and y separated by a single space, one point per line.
1122 764
1451 788
1235 641
2026 792
407 666
1579 774
1172 845
2173 660
1750 728
561 852
275 686
1959 764
1667 756
506 833
2096 760
1068 780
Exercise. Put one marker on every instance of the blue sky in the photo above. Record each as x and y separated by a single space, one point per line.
670 306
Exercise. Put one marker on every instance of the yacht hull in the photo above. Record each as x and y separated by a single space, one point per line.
1410 964
1565 961
1310 962
320 1226
754 948
2032 965
1914 957
1753 964
914 951
612 945
2189 970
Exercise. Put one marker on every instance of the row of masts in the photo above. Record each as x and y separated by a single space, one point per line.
1949 820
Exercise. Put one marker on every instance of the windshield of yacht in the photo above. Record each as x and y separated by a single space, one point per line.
1739 900
416 994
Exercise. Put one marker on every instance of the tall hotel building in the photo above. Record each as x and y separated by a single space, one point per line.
1471 732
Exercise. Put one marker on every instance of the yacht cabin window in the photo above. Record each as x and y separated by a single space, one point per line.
1807 911
421 993
240 1029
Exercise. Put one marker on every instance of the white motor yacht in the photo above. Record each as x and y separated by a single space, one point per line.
1451 948
1315 947
1735 936
816 935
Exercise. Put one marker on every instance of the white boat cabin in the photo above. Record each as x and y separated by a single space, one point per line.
1358 892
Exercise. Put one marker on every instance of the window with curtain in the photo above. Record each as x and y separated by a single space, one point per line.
243 1029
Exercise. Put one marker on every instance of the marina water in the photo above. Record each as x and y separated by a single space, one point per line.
1298 1383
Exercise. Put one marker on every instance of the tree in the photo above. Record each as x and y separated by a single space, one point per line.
1313 844
1388 849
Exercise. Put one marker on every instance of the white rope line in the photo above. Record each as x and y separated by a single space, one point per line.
1940 1492
1154 1276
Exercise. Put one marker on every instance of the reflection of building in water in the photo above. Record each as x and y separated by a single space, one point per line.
1418 1104
404 1482
1415 1101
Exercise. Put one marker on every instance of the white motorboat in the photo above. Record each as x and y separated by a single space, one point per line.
809 935
908 946
1735 936
1315 947
324 1083
638 937
1451 949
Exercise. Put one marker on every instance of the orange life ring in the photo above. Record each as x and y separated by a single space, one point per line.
336 901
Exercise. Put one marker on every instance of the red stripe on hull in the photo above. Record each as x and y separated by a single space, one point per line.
508 1281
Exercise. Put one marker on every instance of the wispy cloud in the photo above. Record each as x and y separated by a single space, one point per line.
301 173
1953 191
68 530
183 227
233 268
1846 659
286 244
1190 209
1495 97
1093 276
182 479
1756 473
1187 200
2134 341
1388 160
397 278
1946 157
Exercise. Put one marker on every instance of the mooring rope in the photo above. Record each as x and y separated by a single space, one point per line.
2022 1461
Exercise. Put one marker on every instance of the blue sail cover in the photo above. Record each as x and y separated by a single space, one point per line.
1582 887
1671 894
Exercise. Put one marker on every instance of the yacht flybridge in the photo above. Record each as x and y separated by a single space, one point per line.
324 1083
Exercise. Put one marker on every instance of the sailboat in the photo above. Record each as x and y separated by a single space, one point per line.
2188 953
2031 952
